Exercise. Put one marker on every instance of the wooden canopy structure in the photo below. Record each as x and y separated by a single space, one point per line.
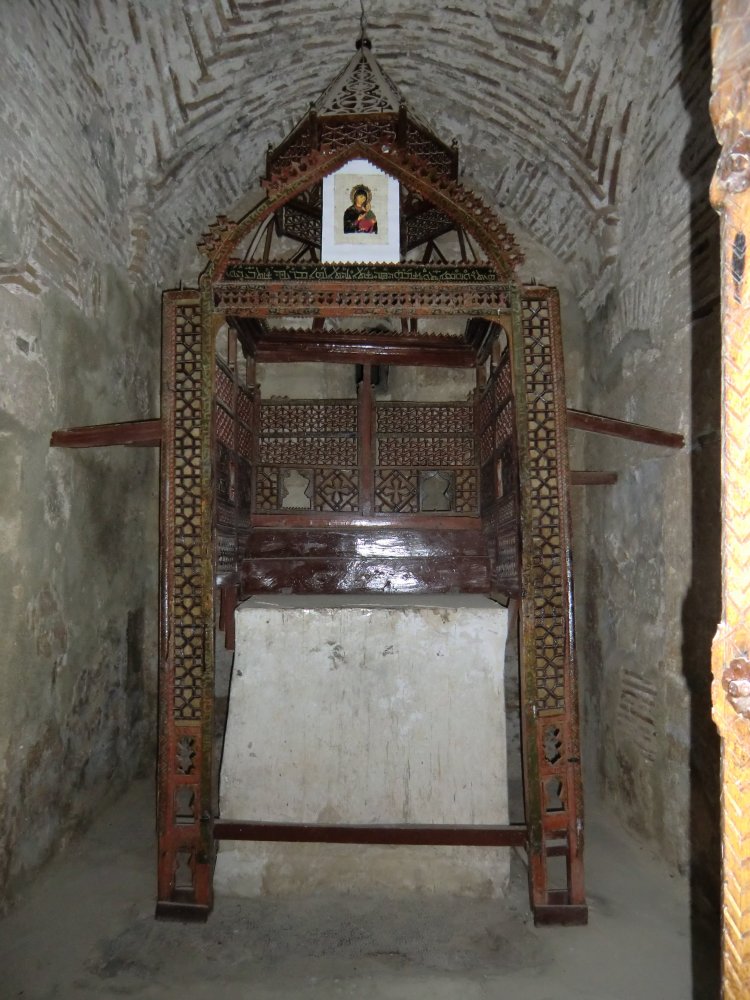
501 460
469 496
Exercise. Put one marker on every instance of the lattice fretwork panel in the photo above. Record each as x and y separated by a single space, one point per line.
396 491
308 450
188 626
335 136
548 568
224 388
308 454
425 418
422 145
286 489
310 418
233 430
499 476
425 458
425 451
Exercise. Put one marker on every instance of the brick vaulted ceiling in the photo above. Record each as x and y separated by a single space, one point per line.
549 101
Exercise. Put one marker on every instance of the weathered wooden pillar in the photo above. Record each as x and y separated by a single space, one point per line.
730 194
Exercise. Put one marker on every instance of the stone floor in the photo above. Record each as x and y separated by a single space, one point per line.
85 928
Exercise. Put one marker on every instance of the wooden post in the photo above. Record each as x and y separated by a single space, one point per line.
549 722
366 430
730 194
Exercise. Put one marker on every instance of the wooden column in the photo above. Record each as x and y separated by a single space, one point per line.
549 691
730 194
186 623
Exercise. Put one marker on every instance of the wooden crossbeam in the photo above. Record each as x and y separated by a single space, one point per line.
582 421
416 834
132 433
586 477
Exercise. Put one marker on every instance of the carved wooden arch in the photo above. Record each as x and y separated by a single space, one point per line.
552 833
457 202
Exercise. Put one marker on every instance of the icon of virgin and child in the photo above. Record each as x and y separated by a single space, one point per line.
359 216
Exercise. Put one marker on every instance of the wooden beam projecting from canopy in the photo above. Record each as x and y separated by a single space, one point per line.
132 433
586 477
353 347
581 421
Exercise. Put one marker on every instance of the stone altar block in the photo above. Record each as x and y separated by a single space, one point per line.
366 709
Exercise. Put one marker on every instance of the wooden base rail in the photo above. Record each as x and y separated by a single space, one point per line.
514 835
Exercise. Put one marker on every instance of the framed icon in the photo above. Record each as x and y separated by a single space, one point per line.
360 215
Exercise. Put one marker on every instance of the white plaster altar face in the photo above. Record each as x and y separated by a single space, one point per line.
366 710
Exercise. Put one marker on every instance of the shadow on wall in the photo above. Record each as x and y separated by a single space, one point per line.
702 606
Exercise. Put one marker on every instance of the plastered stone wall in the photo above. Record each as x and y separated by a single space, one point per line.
79 343
647 549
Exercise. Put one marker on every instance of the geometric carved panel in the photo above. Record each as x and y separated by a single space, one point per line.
188 628
284 488
450 419
548 569
396 491
428 452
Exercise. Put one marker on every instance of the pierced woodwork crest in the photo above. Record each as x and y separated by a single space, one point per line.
362 88
217 234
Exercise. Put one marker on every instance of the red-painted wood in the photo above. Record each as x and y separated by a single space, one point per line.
432 522
350 575
392 543
582 421
416 833
133 433
581 477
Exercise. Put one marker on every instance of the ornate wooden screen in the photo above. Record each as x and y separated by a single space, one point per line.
554 800
186 614
234 419
425 459
427 439
402 458
308 457
496 432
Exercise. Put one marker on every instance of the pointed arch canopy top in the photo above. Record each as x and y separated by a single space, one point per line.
466 209
362 115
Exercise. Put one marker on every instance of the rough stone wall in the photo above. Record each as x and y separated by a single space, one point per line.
647 548
79 343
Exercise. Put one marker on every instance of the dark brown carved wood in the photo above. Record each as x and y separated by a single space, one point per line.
397 542
433 521
353 346
185 619
414 833
132 433
366 457
552 759
581 421
581 477
495 430
198 420
329 575
234 424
